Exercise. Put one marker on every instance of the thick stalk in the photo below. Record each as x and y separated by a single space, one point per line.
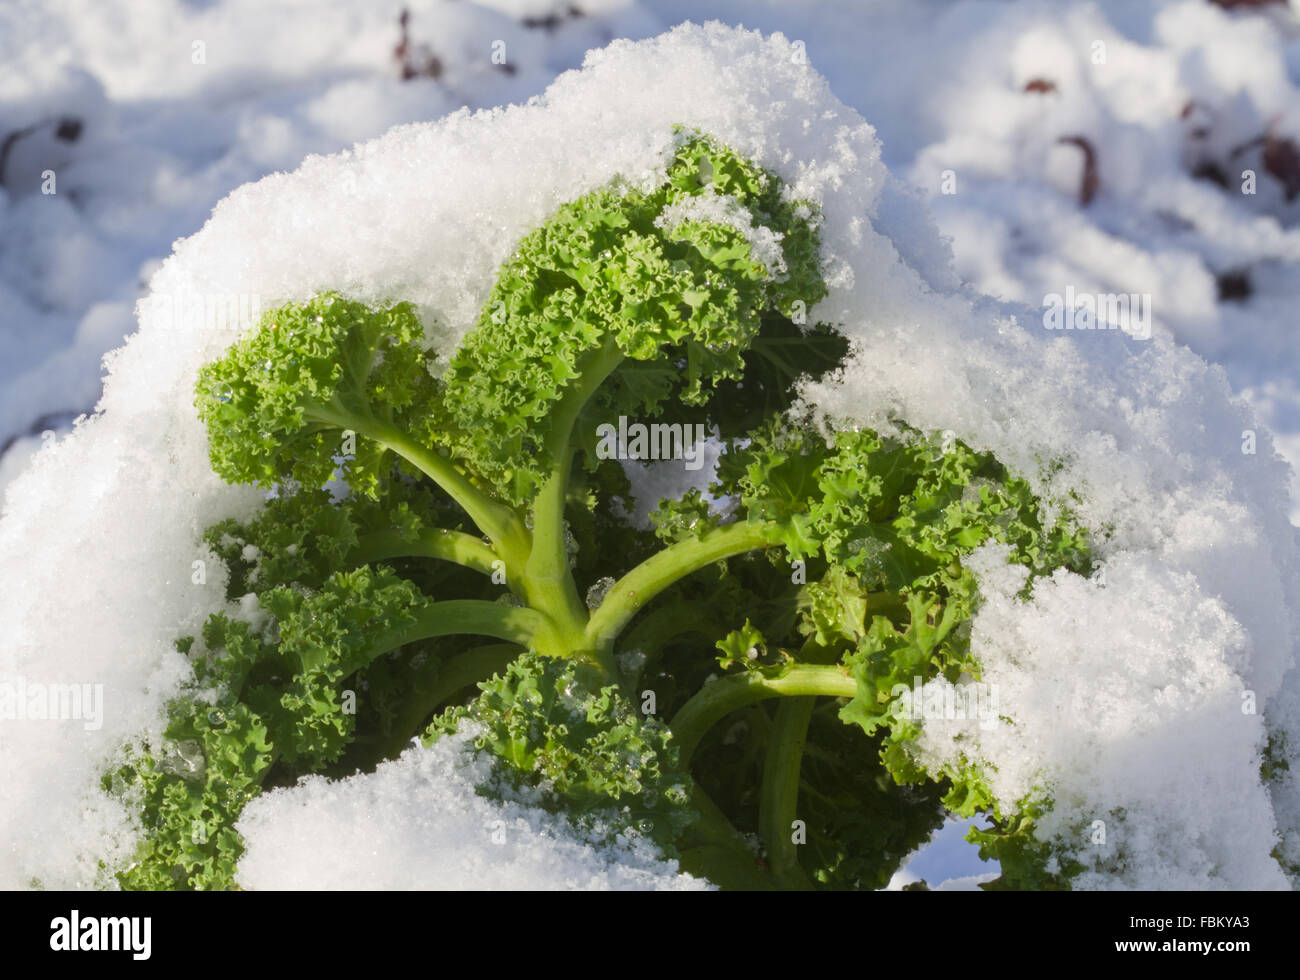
717 699
438 681
547 579
666 567
455 546
475 617
779 795
494 519
520 626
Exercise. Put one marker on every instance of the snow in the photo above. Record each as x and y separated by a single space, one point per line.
725 210
419 820
942 293
167 130
1120 716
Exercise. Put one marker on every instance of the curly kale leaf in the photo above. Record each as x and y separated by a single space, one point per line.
670 280
271 403
560 728
280 691
880 528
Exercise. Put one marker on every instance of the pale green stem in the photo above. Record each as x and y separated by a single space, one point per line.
438 681
626 597
476 617
717 699
454 546
548 579
494 519
779 795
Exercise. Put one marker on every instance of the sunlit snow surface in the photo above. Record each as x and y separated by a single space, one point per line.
1122 694
419 822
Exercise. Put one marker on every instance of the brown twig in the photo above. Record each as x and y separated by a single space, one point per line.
1088 186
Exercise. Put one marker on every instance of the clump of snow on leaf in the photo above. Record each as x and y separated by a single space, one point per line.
726 210
99 538
418 820
1154 719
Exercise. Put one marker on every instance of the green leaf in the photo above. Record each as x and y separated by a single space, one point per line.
743 647
581 741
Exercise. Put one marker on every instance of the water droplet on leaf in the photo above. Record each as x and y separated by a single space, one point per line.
185 760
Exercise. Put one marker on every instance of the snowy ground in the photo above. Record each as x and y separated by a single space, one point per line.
163 138
141 116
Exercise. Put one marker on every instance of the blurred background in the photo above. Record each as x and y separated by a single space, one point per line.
1144 147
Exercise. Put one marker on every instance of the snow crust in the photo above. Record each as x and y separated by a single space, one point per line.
1201 592
418 821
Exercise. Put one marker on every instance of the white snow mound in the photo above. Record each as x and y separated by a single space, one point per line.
417 820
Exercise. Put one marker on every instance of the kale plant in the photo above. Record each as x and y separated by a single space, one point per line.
725 681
